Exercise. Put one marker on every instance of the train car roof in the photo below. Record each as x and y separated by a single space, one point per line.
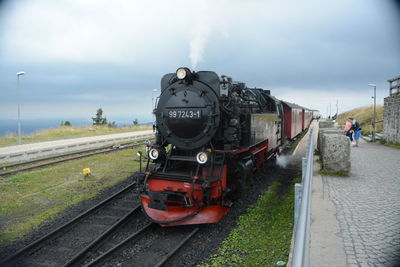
293 105
274 98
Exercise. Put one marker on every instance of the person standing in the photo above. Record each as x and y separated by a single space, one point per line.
347 128
356 130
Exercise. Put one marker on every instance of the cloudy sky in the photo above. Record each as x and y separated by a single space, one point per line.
82 55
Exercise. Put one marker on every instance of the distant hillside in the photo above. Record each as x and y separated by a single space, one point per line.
365 116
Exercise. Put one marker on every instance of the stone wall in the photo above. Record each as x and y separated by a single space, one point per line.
391 119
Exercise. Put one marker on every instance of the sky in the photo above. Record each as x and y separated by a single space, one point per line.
82 55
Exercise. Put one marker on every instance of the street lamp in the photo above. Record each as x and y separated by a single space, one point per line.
19 113
374 122
152 103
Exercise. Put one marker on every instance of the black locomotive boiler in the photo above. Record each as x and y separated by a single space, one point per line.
211 135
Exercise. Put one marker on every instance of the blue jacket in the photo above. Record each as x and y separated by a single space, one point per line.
355 126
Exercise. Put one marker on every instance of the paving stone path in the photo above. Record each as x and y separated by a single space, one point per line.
368 205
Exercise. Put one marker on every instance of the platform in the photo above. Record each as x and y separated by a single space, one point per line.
40 149
356 219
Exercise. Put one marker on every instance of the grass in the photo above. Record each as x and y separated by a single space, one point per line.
64 132
390 144
263 235
365 116
336 174
28 199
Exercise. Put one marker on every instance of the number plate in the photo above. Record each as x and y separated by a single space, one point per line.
184 114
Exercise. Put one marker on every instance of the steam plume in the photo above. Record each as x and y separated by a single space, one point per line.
198 42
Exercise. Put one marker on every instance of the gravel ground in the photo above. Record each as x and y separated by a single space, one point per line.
132 225
150 248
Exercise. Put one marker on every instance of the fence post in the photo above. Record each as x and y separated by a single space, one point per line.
298 192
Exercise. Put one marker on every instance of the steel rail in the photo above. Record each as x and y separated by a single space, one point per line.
103 150
81 253
119 245
99 146
59 161
72 153
58 156
172 252
302 233
59 229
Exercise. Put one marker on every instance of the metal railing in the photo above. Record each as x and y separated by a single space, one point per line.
302 233
394 86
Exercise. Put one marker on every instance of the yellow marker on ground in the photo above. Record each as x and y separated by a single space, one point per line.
86 171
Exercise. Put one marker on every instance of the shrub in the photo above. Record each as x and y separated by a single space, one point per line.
99 120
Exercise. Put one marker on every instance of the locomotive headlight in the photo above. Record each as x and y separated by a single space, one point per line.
153 154
201 157
181 73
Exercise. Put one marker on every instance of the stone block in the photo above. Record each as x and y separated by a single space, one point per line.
326 124
335 152
328 131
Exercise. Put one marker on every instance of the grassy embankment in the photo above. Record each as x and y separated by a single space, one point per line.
389 144
365 116
263 235
29 199
64 132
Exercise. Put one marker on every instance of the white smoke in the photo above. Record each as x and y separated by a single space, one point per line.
198 42
208 23
282 161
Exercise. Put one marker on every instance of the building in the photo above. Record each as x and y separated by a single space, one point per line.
391 113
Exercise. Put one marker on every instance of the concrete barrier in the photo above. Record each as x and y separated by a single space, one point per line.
334 150
326 124
321 134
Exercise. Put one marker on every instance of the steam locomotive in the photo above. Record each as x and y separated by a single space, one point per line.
212 134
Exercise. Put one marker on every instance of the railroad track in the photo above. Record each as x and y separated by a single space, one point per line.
44 162
111 232
62 245
152 245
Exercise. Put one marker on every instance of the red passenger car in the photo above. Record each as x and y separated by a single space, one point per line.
308 116
293 122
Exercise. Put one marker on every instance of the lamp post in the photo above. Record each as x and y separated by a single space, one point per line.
373 123
19 112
